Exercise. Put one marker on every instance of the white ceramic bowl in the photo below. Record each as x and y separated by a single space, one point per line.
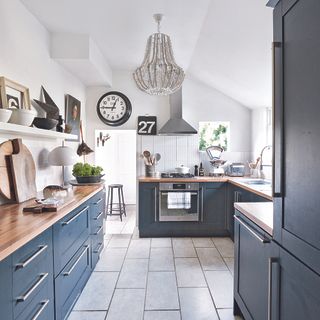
183 169
5 115
23 117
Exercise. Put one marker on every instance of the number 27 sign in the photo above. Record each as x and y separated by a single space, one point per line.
147 125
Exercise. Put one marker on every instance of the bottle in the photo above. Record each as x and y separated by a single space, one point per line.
201 170
196 170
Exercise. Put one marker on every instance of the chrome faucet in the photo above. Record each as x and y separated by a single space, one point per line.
268 147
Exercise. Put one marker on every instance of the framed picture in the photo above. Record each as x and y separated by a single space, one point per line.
72 116
13 94
147 125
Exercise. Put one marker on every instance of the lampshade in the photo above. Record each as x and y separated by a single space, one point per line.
62 156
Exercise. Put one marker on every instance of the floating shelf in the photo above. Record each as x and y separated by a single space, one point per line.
19 131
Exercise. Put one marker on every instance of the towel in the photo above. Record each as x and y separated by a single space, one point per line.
179 200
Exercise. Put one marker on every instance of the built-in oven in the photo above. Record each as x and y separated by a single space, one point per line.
180 202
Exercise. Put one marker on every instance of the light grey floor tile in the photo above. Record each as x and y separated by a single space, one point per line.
183 248
161 259
227 314
133 274
210 259
139 248
225 246
127 304
221 286
230 264
162 292
202 243
196 304
122 236
111 259
189 273
107 236
87 315
161 315
161 243
98 291
119 242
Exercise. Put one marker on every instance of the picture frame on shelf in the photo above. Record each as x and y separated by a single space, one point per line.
13 94
72 114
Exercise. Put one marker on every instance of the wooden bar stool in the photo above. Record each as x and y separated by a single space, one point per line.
116 208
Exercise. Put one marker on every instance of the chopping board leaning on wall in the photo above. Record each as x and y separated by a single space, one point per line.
17 171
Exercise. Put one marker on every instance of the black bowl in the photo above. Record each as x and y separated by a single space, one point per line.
89 179
45 123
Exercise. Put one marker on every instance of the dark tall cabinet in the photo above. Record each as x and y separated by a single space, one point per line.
297 129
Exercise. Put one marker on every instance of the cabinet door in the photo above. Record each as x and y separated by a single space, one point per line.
253 248
214 206
297 129
6 305
297 290
148 208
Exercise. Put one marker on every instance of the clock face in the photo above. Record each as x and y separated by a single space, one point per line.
114 108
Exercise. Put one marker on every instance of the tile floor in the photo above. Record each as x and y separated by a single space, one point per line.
158 278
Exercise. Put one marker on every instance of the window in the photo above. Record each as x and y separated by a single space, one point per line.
214 133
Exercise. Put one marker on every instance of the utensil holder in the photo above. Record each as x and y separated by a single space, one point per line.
150 170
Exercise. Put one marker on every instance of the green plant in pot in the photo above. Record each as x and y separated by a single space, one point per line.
85 173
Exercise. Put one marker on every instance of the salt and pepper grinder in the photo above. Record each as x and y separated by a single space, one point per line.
196 170
201 170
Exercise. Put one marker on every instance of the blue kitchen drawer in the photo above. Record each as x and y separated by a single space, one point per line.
71 280
33 259
97 244
69 233
97 220
6 304
40 284
42 305
97 203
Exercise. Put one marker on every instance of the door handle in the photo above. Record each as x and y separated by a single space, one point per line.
271 262
43 304
155 204
98 231
65 223
76 262
36 254
263 240
98 216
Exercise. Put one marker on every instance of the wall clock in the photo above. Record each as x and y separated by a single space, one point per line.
114 108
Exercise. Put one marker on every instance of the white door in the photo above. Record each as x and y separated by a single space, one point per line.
118 159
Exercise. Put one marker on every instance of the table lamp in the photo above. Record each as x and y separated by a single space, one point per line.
62 156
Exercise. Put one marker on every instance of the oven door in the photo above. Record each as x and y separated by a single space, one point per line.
179 205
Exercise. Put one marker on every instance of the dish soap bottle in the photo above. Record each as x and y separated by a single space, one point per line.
201 170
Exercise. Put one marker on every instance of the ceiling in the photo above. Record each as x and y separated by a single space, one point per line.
223 43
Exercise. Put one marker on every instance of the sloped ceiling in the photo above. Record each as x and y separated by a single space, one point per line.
224 43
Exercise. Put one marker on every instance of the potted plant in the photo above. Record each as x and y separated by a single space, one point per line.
85 173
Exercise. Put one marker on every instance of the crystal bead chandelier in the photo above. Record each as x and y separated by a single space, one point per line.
159 74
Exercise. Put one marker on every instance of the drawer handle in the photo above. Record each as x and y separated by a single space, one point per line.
36 254
42 277
98 248
263 240
98 231
99 215
65 223
96 203
43 304
76 262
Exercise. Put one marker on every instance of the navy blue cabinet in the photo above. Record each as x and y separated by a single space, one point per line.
6 305
297 130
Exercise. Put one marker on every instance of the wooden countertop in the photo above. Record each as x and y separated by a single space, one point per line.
259 190
18 227
261 213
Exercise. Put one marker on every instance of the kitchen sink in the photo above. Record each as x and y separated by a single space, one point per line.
258 182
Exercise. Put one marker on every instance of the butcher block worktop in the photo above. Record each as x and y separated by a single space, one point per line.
263 191
260 213
18 227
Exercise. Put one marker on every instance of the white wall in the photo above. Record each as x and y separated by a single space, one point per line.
200 103
25 58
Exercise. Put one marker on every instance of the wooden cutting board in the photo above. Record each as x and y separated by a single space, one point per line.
6 183
23 172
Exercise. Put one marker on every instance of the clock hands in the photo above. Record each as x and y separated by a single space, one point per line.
114 105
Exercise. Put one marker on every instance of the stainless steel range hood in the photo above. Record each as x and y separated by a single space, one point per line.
176 126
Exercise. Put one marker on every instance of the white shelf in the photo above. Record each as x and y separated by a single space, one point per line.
18 131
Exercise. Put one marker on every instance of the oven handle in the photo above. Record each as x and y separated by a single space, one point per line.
192 193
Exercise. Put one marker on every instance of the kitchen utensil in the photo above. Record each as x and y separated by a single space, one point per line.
83 148
23 117
153 160
23 172
182 169
257 162
147 155
40 208
44 123
214 152
157 157
6 184
5 115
